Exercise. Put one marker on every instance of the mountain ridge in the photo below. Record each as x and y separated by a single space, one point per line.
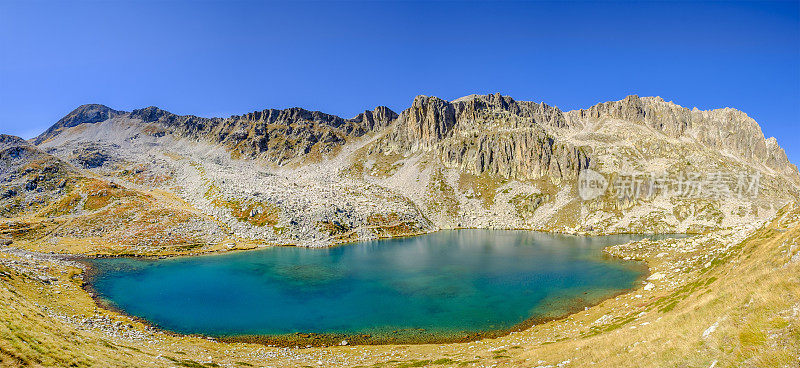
679 119
295 176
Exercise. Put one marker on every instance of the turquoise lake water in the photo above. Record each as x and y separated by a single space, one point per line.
445 282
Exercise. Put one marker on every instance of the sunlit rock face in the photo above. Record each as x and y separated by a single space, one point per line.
490 134
295 176
727 130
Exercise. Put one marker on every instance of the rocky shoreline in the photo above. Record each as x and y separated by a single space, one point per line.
294 340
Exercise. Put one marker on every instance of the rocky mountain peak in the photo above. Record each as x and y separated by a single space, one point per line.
726 129
427 121
475 107
432 119
486 134
493 101
150 114
84 114
90 112
376 119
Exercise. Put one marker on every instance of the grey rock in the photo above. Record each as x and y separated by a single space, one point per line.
84 114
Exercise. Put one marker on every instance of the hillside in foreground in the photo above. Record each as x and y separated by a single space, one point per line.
728 298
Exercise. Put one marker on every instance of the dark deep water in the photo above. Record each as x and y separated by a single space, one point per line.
446 282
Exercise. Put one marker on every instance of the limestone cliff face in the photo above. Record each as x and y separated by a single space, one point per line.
487 134
776 157
523 154
424 124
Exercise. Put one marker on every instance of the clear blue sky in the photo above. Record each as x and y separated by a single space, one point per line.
222 58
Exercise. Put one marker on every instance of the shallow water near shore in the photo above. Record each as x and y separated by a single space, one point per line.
447 283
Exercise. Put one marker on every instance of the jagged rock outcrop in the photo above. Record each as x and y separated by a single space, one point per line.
727 130
425 123
776 157
526 113
275 135
376 120
487 134
523 154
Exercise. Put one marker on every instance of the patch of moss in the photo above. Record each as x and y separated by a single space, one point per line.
64 206
752 336
528 203
442 196
386 165
485 186
190 363
253 212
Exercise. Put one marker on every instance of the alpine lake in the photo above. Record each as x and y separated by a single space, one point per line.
448 286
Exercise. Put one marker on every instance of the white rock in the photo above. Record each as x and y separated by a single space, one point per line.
710 329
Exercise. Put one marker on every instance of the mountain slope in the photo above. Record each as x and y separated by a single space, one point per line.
303 177
502 163
50 205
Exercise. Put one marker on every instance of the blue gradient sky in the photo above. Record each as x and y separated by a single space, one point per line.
222 58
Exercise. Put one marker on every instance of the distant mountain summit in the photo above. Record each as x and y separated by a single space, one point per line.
84 114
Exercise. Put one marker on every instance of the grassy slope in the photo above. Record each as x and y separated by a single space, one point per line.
748 290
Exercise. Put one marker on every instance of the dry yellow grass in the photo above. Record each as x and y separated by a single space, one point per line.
722 303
